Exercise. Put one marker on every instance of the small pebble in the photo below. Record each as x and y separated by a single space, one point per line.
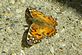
0 5
23 1
12 25
18 10
13 53
52 50
22 52
81 21
1 28
8 9
12 1
3 53
8 29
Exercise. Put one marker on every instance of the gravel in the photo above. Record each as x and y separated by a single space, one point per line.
67 41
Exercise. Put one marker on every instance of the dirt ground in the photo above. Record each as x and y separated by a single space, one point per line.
67 41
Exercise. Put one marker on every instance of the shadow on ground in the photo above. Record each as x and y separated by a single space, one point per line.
76 4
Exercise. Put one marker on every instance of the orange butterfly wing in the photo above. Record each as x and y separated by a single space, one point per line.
46 19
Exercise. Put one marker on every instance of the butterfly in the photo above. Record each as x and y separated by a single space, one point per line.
39 27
